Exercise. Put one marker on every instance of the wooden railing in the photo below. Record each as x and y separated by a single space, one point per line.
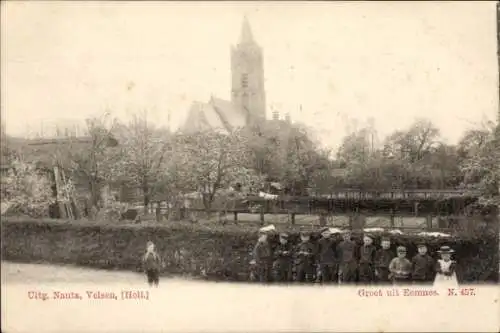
452 224
399 194
414 203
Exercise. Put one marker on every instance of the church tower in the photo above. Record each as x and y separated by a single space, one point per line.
247 70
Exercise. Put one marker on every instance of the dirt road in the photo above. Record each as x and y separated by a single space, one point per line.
179 306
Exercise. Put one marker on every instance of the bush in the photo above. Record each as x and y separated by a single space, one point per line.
26 190
210 250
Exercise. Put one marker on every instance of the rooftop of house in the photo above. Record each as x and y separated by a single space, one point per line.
48 152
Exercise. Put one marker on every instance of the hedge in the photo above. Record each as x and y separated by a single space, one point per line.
200 250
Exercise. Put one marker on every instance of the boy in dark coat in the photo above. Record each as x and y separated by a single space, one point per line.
305 258
263 258
152 264
366 260
283 259
326 257
346 251
383 258
422 266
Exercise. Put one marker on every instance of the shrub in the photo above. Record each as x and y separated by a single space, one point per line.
26 191
210 250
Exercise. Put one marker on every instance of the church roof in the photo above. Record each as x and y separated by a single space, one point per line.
210 117
220 114
196 119
217 114
230 115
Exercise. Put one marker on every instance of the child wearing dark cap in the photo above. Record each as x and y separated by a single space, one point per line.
366 260
400 267
152 264
422 266
326 257
305 258
383 258
347 255
263 258
283 259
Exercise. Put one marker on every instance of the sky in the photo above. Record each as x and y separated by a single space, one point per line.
345 63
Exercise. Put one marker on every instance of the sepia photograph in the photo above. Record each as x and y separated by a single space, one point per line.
250 166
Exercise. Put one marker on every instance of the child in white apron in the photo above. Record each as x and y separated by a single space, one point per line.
446 276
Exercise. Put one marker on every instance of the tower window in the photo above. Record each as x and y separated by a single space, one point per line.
244 80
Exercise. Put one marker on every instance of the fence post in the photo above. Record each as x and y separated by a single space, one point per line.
392 218
158 212
429 221
357 222
322 219
262 215
235 216
293 219
442 223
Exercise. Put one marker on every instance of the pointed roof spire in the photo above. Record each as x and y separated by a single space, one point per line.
246 32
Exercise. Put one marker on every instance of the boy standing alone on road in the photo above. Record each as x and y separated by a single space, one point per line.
152 264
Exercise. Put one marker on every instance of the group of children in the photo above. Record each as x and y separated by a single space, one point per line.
345 262
328 261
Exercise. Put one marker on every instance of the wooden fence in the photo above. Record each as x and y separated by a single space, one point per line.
409 204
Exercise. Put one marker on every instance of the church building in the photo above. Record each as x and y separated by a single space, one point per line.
248 98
